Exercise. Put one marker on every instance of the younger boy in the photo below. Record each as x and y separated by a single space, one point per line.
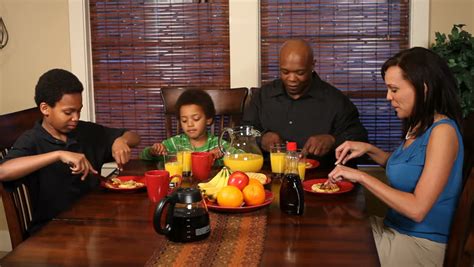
195 112
59 157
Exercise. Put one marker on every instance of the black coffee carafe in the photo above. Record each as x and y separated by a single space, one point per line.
187 218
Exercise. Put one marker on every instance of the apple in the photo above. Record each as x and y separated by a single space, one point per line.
238 179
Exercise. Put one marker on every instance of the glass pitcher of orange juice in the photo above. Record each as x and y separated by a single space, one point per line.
243 153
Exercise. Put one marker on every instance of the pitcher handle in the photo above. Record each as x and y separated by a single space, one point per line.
256 132
219 142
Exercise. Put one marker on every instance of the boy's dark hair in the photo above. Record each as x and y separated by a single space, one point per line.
199 98
421 66
55 83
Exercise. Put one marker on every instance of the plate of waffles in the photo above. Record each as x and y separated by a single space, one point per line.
124 183
314 186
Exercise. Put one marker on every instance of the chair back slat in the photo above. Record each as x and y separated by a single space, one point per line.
460 246
457 252
12 125
16 202
228 102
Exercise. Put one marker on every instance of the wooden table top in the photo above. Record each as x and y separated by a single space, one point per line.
114 229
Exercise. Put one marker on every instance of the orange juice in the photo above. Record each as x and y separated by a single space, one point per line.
246 162
184 157
174 167
277 161
301 169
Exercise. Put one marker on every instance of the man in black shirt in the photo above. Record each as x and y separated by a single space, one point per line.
301 107
57 157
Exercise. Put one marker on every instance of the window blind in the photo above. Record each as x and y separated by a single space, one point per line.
142 47
351 40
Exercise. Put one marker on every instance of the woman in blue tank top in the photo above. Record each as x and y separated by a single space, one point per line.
425 171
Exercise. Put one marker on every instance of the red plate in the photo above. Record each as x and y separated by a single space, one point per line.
344 186
311 163
268 200
109 186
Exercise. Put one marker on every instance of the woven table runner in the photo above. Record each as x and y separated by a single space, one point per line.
235 239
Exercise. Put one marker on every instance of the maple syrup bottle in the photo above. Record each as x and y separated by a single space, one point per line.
291 190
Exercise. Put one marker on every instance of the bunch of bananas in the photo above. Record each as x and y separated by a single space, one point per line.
211 188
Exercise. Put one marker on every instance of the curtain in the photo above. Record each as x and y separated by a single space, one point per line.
142 47
351 40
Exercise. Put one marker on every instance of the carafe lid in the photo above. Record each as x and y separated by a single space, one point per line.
291 146
188 195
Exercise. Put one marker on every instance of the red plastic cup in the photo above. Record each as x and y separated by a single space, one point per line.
201 165
158 184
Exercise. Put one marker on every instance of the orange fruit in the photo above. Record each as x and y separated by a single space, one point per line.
255 181
254 194
230 196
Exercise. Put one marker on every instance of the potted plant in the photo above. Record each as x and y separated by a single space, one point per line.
458 50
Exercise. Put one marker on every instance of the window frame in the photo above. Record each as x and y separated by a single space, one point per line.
80 45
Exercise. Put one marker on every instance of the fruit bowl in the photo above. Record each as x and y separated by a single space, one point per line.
215 207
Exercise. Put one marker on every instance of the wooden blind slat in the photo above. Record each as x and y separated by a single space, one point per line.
142 47
351 40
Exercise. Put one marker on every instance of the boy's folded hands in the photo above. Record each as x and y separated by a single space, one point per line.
217 153
158 149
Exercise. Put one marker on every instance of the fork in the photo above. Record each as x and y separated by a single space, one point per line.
109 177
328 184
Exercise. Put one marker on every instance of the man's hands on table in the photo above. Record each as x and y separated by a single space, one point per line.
319 145
269 139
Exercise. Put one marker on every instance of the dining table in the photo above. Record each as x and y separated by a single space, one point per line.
107 228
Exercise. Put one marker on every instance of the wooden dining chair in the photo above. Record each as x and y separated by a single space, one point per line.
229 104
16 202
252 91
460 246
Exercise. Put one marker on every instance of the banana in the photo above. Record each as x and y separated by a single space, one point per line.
212 188
211 193
216 179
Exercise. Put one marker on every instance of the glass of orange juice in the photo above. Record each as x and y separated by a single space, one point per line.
184 156
173 165
301 164
277 159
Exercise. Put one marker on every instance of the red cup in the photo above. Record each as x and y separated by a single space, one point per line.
201 164
158 184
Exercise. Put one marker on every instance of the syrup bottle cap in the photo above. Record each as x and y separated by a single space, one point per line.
291 146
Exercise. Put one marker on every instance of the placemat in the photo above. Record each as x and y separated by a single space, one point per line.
235 240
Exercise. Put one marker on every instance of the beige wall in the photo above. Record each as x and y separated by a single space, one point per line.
445 13
39 40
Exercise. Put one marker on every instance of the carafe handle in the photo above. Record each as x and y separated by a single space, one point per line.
169 216
219 142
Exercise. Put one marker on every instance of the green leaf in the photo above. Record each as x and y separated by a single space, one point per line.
458 50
